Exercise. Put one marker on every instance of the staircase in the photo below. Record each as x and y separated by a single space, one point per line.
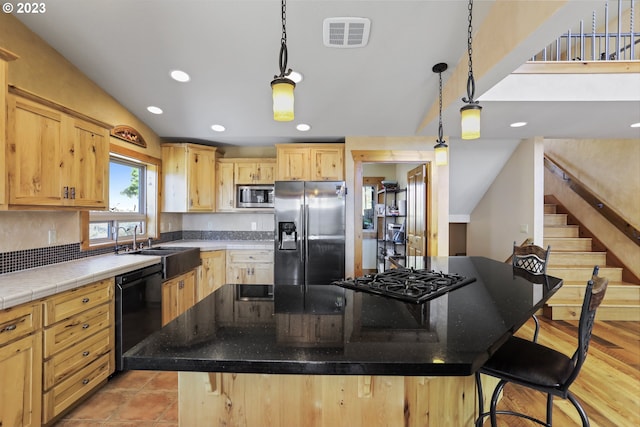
573 259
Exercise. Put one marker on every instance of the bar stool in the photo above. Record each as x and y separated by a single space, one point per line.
541 368
534 259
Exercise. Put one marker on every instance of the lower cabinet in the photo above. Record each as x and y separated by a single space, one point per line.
21 366
178 295
250 267
212 273
79 331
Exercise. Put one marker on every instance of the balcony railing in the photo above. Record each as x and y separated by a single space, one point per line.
601 44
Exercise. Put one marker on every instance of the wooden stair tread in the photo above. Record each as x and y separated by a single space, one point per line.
605 302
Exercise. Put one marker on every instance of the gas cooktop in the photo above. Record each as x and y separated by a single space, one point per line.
407 284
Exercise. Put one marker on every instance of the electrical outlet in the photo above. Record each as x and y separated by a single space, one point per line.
52 237
524 228
254 226
209 225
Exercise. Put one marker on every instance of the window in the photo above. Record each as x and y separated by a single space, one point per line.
133 195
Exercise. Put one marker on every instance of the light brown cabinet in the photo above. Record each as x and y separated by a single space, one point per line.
231 172
55 159
21 366
225 186
178 295
189 173
310 162
79 340
251 172
212 273
250 267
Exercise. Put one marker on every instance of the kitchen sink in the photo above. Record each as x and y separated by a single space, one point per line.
175 260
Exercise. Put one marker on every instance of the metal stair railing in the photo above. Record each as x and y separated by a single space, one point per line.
574 47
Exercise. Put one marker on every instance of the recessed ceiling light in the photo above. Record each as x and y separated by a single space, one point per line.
635 125
218 128
180 76
154 110
303 127
518 124
295 76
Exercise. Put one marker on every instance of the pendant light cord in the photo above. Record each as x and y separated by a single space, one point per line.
284 55
440 131
471 83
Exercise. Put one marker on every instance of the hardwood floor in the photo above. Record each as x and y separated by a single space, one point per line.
608 386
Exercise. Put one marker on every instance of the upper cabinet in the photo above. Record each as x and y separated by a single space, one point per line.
231 172
54 158
189 173
250 171
310 162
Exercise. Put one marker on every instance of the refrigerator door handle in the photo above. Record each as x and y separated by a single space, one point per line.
303 232
306 234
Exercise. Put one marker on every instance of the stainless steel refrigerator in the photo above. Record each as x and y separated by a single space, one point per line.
310 232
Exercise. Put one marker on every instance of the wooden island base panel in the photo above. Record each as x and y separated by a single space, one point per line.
265 400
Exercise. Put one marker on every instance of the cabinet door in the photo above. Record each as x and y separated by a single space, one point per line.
86 165
212 273
327 164
201 177
178 295
266 172
226 188
21 379
34 136
293 164
246 173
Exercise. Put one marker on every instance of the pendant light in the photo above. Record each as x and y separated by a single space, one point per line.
281 86
441 149
471 112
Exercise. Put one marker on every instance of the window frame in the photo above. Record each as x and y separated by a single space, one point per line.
152 199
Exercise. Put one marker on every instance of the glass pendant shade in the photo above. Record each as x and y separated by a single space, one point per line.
442 154
470 121
282 99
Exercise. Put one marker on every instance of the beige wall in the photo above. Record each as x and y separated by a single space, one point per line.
610 168
43 71
40 69
514 200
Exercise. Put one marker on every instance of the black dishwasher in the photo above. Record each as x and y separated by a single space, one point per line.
138 308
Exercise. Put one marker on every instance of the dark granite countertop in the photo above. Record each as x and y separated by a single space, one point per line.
329 330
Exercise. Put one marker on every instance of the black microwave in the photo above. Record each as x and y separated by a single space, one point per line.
254 196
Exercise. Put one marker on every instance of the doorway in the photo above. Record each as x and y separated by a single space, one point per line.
362 157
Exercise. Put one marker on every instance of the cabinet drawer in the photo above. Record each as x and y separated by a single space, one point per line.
65 363
77 328
19 321
249 256
69 391
75 301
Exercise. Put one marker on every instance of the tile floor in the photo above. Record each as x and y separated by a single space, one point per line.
130 399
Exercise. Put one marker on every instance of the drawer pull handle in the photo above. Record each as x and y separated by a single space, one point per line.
85 353
85 326
85 300
85 381
10 328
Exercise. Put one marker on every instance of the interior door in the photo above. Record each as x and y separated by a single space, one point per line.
417 211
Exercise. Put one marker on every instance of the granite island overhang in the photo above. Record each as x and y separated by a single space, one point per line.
326 341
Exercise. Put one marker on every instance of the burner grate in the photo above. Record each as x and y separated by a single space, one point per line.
407 284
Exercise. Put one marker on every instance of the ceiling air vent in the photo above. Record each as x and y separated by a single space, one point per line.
346 32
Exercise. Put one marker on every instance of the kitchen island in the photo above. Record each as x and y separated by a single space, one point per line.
329 356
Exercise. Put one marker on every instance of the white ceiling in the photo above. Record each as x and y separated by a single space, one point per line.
230 48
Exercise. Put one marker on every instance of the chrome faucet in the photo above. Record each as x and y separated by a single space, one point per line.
135 230
115 231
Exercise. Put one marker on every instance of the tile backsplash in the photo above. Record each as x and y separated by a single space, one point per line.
38 257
